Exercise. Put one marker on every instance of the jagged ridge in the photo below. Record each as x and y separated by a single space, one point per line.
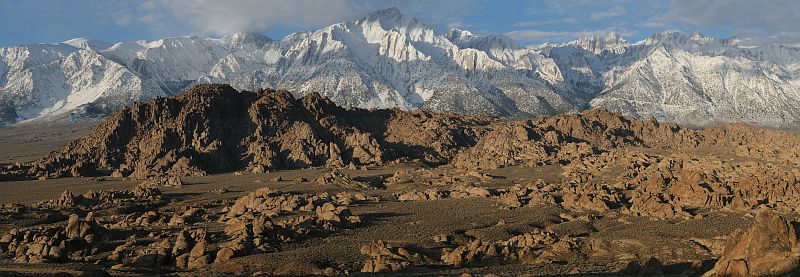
214 128
388 60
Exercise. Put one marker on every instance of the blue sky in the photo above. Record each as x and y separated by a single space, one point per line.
527 21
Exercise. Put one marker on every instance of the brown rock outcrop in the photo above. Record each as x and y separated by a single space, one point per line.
768 248
517 247
386 257
53 244
507 144
214 128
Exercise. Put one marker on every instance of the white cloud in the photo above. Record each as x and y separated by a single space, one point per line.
123 20
566 20
457 25
152 18
149 5
221 17
613 12
623 32
759 20
527 35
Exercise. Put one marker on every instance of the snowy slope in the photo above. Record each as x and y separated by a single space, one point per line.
699 80
41 81
387 59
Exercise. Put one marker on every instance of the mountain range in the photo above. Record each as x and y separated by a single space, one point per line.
388 60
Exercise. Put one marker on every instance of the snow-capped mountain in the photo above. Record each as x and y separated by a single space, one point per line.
386 59
700 80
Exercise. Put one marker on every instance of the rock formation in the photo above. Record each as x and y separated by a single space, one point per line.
768 248
214 128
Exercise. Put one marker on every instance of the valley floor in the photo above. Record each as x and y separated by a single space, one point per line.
602 243
29 141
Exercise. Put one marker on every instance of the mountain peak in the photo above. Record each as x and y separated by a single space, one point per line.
87 43
614 36
732 41
679 39
598 43
390 18
700 38
466 39
458 36
670 36
239 39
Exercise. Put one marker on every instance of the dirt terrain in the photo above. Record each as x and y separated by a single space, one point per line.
30 141
220 182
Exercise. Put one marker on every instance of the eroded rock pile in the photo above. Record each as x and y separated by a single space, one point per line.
384 256
253 222
523 142
459 191
146 241
214 128
768 248
54 244
104 199
534 247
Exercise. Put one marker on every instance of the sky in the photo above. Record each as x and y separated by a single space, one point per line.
526 21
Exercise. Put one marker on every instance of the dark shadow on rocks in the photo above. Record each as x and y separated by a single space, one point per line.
372 181
654 267
179 196
368 219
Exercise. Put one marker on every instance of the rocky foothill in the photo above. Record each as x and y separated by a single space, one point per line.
216 181
214 128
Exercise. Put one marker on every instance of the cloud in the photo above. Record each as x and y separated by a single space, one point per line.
614 11
45 20
528 35
622 31
221 17
566 20
758 20
538 36
123 20
572 19
767 14
458 25
151 18
150 5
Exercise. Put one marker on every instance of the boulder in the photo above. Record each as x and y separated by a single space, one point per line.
768 247
224 255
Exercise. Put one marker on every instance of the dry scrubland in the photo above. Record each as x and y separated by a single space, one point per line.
215 181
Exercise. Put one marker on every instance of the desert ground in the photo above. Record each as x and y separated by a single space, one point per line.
593 194
29 141
414 224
